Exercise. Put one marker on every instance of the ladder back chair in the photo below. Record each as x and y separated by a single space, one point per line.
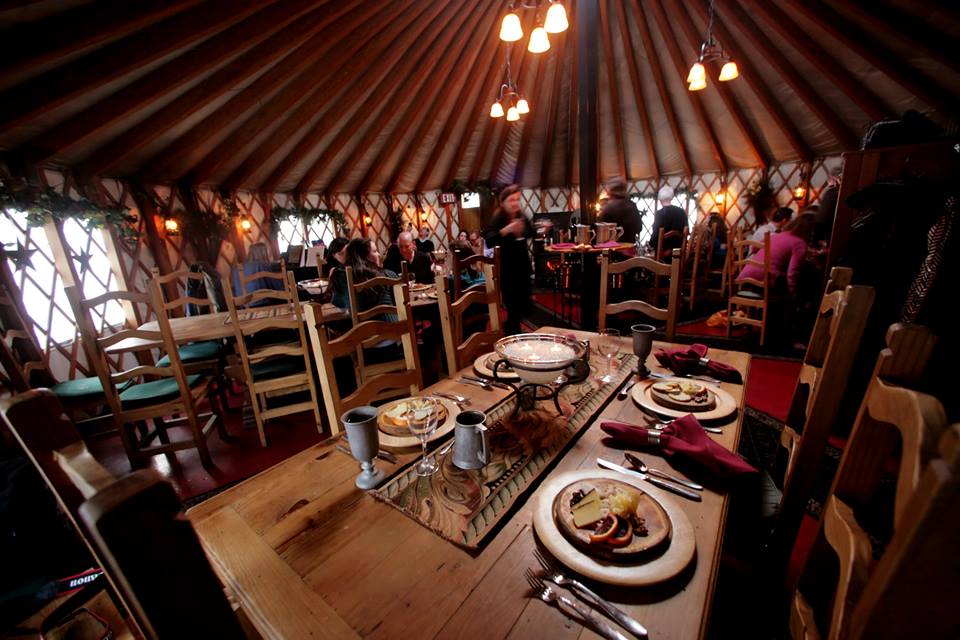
756 299
659 269
326 350
891 418
702 241
665 255
473 262
133 400
356 291
459 313
274 368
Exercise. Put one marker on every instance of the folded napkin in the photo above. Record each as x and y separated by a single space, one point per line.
563 245
686 437
692 360
607 245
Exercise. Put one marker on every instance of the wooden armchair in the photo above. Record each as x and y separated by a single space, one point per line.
756 299
840 568
457 312
659 269
367 331
355 290
274 368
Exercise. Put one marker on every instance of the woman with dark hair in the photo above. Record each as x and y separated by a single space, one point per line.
335 255
510 229
788 250
363 257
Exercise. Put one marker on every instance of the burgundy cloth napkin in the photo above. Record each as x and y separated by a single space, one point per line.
686 437
563 245
687 360
607 245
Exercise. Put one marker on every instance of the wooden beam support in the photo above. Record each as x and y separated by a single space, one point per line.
388 83
680 69
652 58
757 148
588 32
572 97
613 85
547 152
42 93
637 87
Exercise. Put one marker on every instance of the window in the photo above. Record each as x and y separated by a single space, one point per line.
470 200
647 204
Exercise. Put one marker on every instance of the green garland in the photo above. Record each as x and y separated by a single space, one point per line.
307 216
46 204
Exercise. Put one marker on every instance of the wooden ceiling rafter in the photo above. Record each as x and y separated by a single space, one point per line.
571 116
652 58
387 84
606 41
696 100
43 41
172 162
866 47
48 90
502 135
553 114
165 79
861 94
385 56
752 77
753 139
637 86
445 76
557 48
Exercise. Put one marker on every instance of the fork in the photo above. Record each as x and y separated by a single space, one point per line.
543 591
461 401
621 616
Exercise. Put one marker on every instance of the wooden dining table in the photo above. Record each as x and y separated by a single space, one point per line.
307 554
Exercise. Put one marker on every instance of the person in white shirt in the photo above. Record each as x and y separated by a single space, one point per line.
780 217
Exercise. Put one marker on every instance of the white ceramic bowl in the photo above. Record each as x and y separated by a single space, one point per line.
538 358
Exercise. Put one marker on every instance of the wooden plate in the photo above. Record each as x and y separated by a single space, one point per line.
484 367
642 394
654 569
668 401
391 441
655 519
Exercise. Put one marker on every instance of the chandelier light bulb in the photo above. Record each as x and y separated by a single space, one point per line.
496 110
556 21
539 41
697 73
512 114
697 85
510 29
729 71
522 106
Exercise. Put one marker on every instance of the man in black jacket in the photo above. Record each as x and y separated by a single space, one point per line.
621 210
669 217
418 262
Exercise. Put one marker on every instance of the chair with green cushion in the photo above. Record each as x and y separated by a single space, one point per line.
145 393
273 369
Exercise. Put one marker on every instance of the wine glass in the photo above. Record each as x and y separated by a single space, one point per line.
608 346
642 345
422 422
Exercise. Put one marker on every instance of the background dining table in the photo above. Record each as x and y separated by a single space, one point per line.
307 554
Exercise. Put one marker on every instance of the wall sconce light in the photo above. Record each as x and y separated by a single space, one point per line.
246 224
720 197
368 219
423 216
171 226
799 192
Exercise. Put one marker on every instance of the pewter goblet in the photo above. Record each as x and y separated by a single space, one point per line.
642 345
361 427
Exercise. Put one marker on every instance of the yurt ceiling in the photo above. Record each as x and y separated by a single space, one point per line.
367 95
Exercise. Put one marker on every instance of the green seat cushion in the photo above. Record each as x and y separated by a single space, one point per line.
276 368
195 352
155 392
79 390
746 293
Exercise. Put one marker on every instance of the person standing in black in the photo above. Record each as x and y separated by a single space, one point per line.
669 217
424 243
621 211
509 229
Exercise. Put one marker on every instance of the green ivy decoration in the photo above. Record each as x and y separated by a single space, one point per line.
307 216
43 205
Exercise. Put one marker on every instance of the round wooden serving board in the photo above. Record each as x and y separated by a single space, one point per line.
655 520
484 367
654 568
668 401
642 394
399 442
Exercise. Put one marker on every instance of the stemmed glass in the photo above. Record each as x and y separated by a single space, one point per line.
422 422
608 346
439 261
642 345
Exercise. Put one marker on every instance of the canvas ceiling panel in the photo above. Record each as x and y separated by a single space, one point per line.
608 163
503 169
772 136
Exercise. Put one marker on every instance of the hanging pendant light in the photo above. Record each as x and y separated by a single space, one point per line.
556 21
522 106
510 29
729 72
711 51
496 110
512 114
697 73
697 85
539 41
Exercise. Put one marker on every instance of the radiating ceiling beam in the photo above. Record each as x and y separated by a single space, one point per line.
606 41
588 116
503 135
547 152
636 85
913 32
536 108
572 115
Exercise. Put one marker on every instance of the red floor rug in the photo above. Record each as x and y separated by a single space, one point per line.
700 328
551 302
770 385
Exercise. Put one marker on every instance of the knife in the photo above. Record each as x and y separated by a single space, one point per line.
475 383
494 383
626 389
636 463
680 491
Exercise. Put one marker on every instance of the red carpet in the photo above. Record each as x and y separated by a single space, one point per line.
700 328
551 303
770 385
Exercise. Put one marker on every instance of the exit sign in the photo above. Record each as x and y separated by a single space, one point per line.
448 198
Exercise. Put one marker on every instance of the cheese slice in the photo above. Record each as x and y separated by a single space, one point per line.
588 510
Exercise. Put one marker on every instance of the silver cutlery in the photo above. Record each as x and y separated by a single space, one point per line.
461 401
642 467
706 379
621 616
442 450
386 456
546 593
492 383
475 383
663 484
660 426
626 390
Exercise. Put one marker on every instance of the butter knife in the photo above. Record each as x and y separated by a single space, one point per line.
494 383
482 385
663 484
638 464
626 389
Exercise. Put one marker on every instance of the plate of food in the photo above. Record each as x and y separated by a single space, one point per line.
607 527
484 367
392 421
418 287
676 397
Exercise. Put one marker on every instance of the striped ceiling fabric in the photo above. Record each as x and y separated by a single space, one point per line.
359 96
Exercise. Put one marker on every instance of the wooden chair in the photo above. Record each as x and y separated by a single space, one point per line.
326 351
754 300
460 265
150 554
839 568
132 400
702 240
659 269
355 290
274 368
665 255
457 313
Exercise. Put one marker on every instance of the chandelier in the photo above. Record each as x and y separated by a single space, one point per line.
555 22
711 51
510 96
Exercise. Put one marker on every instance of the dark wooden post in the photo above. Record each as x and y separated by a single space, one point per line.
588 68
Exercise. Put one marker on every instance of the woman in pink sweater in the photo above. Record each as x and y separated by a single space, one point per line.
788 250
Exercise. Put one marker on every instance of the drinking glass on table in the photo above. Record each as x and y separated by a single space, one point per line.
422 422
608 346
642 346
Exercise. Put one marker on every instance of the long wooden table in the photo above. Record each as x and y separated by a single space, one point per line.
308 555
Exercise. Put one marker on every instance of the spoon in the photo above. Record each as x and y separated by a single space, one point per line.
642 467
